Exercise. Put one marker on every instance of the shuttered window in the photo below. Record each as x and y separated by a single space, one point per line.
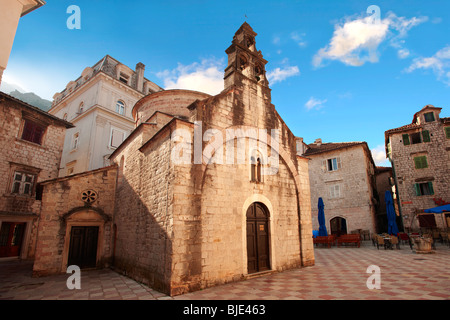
332 164
426 136
335 191
447 132
429 117
420 162
424 189
406 139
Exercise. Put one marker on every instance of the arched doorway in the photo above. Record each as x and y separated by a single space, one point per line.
258 256
338 226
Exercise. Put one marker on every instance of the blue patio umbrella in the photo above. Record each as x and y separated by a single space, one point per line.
321 218
439 209
391 216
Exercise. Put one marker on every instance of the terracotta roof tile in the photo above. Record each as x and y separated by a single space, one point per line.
325 147
403 128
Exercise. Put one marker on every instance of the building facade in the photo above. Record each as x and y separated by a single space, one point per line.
12 11
420 157
99 104
208 189
31 142
343 175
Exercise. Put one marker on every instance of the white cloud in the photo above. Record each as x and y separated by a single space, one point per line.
379 156
276 40
314 103
439 63
298 38
280 74
355 42
403 53
206 76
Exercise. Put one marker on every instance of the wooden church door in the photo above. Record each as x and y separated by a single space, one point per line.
258 258
83 247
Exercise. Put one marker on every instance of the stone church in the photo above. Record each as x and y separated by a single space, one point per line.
205 190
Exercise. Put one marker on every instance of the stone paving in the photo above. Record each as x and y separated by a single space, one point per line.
339 274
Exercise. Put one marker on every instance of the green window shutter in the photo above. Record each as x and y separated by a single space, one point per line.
417 163
424 162
426 136
421 162
417 188
430 187
405 139
447 132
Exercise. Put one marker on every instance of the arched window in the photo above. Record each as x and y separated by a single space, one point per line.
120 107
255 169
81 108
65 116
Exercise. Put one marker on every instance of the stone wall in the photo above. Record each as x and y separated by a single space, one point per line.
41 160
63 207
211 200
143 209
407 175
354 179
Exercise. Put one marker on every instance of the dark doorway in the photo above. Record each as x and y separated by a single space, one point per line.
83 247
11 237
338 226
257 238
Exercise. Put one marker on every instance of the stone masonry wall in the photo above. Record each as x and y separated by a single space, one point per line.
407 175
210 230
62 206
17 154
143 210
354 203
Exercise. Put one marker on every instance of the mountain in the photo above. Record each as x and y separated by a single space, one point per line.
31 98
9 87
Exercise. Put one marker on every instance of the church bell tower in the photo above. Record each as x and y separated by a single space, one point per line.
246 65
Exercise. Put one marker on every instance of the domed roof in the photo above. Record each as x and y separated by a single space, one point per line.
174 102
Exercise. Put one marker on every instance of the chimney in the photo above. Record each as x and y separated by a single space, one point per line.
140 68
318 142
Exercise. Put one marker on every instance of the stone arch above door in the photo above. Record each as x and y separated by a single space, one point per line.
258 198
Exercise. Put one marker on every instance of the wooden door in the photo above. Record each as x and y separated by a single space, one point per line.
11 237
338 226
258 255
83 247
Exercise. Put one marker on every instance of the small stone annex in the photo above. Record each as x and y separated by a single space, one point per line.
205 190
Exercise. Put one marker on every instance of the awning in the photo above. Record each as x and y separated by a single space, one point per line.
440 209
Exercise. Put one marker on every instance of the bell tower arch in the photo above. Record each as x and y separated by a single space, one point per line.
246 64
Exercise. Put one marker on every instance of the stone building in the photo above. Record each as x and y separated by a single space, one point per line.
206 190
99 104
420 157
343 174
31 141
75 225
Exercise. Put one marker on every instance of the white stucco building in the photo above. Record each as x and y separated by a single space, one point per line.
99 104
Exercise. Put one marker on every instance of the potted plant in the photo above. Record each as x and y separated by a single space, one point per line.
423 244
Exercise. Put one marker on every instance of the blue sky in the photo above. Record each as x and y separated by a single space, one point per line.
336 71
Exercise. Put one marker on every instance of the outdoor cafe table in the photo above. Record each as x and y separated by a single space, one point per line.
387 242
